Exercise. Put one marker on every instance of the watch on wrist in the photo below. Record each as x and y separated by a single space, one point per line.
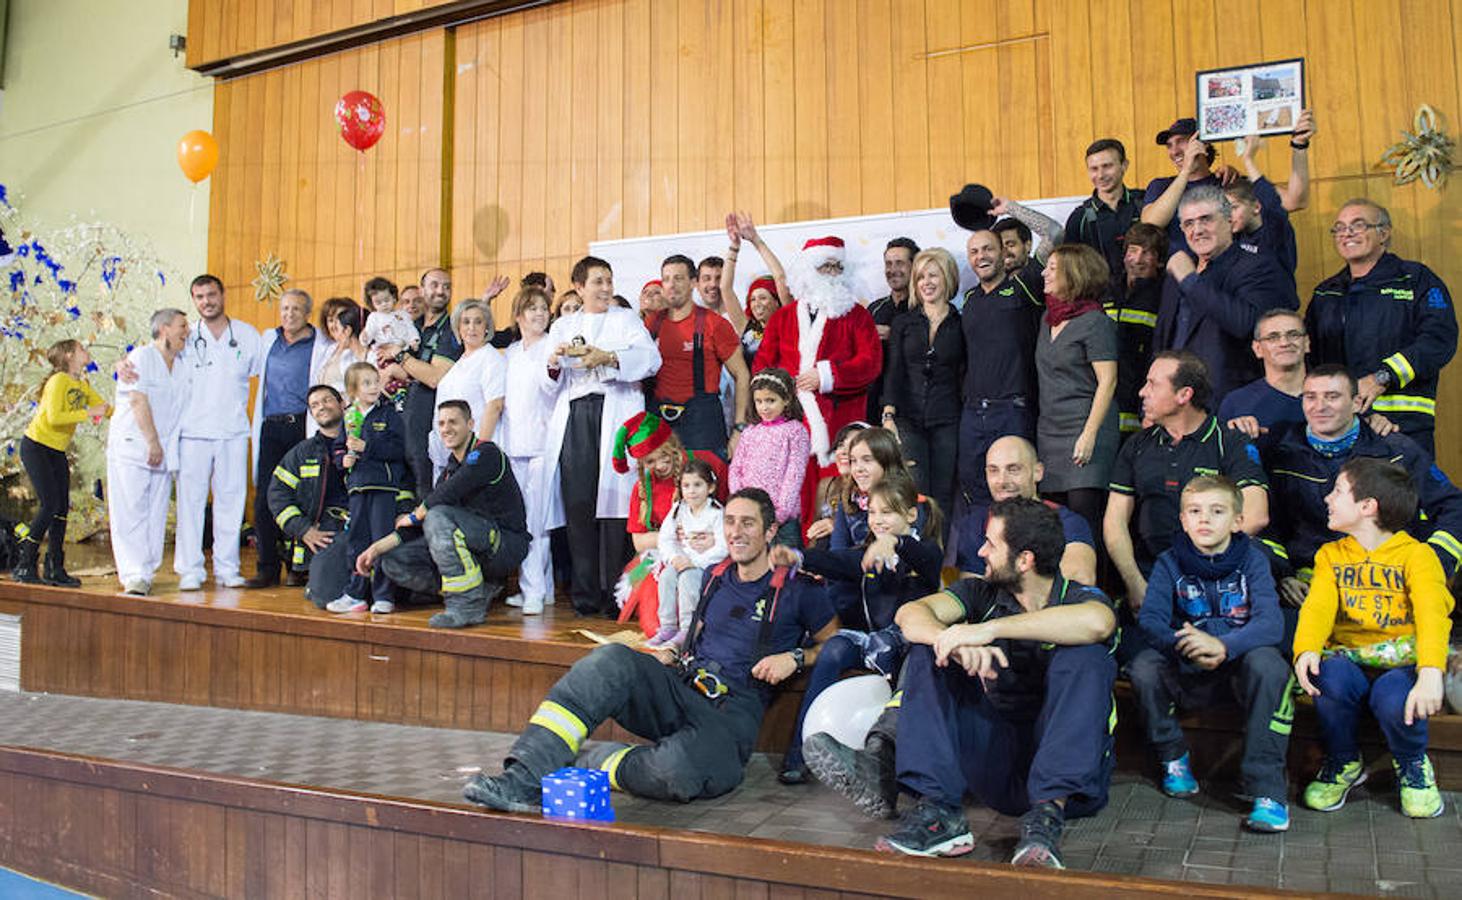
1383 377
1297 145
739 427
799 657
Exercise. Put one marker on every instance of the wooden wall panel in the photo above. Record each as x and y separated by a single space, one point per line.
222 29
590 119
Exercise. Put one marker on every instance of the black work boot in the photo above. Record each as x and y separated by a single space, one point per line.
24 570
864 776
55 573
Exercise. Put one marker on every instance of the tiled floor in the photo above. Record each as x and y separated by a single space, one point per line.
1368 847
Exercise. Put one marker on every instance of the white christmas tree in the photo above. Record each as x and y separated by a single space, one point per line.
89 281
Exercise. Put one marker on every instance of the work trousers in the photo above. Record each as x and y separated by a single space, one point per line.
223 467
461 555
277 434
137 512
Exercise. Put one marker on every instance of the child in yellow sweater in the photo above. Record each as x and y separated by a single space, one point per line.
66 401
1373 630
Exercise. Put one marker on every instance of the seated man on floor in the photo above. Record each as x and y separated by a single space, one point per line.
308 499
1012 470
1211 619
1007 696
1305 462
703 708
467 536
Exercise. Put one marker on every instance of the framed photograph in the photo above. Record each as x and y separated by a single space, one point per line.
1265 98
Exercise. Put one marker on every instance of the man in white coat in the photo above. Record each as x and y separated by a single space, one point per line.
142 450
221 355
596 361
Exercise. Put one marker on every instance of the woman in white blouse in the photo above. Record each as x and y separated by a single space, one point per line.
340 320
478 377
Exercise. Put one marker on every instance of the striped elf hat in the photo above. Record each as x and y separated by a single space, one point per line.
642 435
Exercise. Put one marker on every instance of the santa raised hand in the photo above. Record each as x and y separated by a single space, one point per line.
828 340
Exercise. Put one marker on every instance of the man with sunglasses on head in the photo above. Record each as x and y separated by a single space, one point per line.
1215 292
1388 320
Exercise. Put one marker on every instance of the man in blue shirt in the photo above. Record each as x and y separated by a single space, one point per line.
703 708
1194 161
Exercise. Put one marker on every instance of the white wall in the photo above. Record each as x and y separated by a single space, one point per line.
93 106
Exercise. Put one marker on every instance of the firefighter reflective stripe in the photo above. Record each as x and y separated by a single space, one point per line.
298 558
895 701
1447 542
286 476
1405 403
1129 422
557 719
289 512
1276 547
1401 367
471 576
1283 718
310 470
611 766
1133 317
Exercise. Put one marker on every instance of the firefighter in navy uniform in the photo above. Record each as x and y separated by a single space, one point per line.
1388 320
308 500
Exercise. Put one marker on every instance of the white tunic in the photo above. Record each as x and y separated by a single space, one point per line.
527 406
618 331
477 378
167 397
218 408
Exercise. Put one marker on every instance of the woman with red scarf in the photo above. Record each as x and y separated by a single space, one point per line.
1076 356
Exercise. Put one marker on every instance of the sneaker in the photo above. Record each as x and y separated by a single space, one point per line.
1268 816
346 604
1420 798
1040 837
230 581
794 774
382 608
1177 778
661 637
860 775
138 587
1337 778
515 601
190 582
533 606
512 791
930 829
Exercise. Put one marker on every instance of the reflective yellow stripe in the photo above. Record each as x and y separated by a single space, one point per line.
1112 717
1121 488
1276 546
1133 317
569 727
1283 719
299 554
311 470
611 765
1128 422
1448 543
471 575
289 512
1299 475
895 701
22 531
286 476
1404 403
1401 367
405 495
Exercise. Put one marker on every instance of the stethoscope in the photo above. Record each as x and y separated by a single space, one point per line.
200 344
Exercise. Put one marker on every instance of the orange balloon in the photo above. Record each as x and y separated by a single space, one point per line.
197 155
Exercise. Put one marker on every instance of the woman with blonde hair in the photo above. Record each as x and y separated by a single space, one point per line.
923 374
1076 355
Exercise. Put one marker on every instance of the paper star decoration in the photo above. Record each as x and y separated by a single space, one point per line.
270 282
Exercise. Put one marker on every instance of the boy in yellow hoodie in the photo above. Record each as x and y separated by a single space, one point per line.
1374 629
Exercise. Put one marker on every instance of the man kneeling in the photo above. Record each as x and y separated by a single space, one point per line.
473 527
1022 718
703 709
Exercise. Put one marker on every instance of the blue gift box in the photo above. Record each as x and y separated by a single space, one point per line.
573 793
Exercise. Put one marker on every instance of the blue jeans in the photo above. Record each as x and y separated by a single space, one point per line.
1345 687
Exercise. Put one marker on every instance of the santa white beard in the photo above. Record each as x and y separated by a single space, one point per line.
831 294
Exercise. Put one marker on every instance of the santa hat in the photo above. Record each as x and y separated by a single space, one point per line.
764 283
818 251
655 282
642 435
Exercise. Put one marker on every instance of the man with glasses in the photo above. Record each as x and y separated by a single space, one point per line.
1215 292
1388 320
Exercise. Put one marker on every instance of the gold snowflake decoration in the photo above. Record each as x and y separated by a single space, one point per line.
269 283
1425 154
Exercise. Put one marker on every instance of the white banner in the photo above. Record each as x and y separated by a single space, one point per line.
637 260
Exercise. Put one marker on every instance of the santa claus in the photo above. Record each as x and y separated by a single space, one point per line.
828 341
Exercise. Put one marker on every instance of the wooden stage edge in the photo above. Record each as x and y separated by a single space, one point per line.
122 829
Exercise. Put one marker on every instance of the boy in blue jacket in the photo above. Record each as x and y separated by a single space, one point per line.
1212 624
375 457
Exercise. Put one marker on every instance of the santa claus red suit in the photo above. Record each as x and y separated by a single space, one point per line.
827 333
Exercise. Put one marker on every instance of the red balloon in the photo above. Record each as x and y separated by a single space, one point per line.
362 119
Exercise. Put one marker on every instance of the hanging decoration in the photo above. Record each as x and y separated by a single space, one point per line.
362 119
1425 153
197 155
269 283
89 281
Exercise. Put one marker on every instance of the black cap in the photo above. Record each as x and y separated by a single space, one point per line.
1181 126
971 207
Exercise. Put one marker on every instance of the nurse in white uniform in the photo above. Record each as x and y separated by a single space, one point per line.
142 450
526 412
221 354
478 378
